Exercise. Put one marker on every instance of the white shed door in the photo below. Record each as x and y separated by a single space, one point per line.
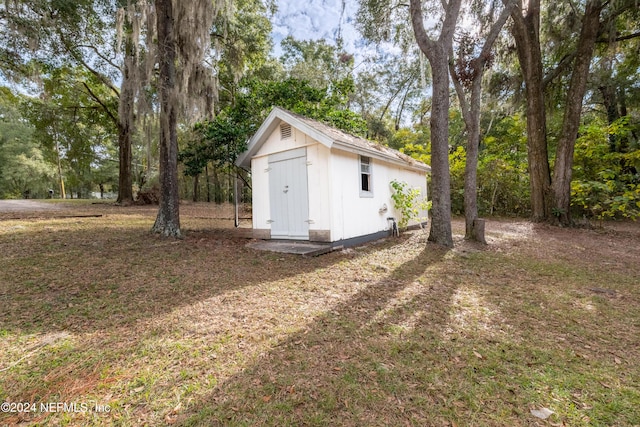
288 193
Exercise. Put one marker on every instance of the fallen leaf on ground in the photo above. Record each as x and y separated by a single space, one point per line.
542 413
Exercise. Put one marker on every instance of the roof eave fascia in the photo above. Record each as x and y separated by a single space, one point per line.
269 125
380 156
244 160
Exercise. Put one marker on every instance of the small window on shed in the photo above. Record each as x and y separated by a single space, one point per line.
285 131
365 177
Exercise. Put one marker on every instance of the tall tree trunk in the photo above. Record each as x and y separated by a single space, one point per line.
206 173
440 231
125 191
471 163
148 130
168 219
63 194
614 102
471 116
125 128
437 52
611 96
573 108
196 187
217 190
526 31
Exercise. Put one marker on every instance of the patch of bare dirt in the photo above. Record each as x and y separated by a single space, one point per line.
609 246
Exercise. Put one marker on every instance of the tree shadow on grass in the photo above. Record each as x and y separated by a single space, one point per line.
358 357
109 310
104 278
440 341
79 297
465 337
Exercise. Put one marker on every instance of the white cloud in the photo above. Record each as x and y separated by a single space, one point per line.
324 19
315 19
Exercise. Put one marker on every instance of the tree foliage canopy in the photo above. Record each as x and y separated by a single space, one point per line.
90 70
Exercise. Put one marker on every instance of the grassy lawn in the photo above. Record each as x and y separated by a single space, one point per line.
205 331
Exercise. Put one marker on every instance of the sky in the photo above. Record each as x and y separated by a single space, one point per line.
315 19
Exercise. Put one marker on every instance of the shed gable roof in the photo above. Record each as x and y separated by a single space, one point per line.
327 136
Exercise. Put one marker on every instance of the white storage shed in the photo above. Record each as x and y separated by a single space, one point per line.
313 182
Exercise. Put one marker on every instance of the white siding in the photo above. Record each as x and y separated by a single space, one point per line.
318 182
414 179
274 144
260 174
319 188
354 215
260 193
335 202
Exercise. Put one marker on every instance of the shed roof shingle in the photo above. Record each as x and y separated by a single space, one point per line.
327 135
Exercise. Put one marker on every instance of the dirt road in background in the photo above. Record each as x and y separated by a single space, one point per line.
27 206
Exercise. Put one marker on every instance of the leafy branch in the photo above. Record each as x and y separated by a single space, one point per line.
408 202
